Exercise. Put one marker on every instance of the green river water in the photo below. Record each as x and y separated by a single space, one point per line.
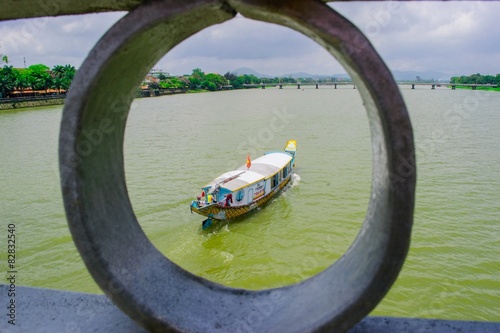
176 144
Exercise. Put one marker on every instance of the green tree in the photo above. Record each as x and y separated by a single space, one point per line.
69 75
194 83
214 82
173 83
489 79
57 83
238 82
230 77
211 86
22 80
254 79
476 79
62 76
39 77
184 81
7 80
58 70
198 73
57 77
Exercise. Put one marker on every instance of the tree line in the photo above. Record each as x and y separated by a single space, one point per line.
35 79
476 79
198 80
40 79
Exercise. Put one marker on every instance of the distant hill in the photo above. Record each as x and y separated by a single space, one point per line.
249 71
398 75
425 75
305 75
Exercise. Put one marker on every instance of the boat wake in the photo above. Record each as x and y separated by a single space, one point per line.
294 181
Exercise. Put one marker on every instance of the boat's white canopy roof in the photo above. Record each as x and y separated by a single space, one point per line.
267 165
261 168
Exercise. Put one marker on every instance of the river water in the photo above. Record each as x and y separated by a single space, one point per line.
176 144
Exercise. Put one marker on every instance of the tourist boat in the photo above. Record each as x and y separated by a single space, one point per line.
238 192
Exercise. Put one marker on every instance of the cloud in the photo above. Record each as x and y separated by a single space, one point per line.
451 37
53 40
241 38
241 42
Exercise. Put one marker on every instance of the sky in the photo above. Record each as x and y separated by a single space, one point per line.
455 38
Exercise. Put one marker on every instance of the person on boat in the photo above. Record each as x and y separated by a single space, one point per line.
229 199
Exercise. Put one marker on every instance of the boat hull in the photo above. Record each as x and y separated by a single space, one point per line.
218 212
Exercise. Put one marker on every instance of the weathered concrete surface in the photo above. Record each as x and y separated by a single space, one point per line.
56 311
418 325
16 9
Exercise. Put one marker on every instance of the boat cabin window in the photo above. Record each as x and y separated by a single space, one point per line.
274 180
285 172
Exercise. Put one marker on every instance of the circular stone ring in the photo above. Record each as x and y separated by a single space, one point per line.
140 280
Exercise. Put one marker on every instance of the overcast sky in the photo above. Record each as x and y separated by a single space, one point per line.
457 38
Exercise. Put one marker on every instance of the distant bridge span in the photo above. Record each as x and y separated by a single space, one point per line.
335 84
453 85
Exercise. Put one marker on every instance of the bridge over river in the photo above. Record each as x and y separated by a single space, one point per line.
433 85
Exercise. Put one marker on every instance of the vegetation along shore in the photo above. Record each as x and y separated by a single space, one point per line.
39 85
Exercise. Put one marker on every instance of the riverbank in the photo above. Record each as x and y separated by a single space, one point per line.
492 88
36 101
29 102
